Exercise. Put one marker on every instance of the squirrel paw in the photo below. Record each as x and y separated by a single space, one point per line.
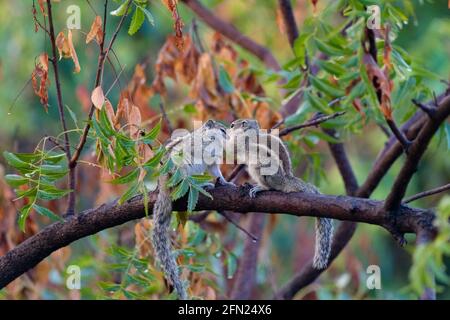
208 186
254 190
220 182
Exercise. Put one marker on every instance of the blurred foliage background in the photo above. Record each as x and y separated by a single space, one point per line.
107 258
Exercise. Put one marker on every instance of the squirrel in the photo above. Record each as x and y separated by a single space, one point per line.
275 173
211 134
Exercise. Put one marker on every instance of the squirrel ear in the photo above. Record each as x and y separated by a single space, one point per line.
209 124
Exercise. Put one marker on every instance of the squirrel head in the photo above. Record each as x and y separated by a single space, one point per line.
243 125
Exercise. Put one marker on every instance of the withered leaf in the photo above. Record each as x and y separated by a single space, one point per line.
73 53
134 121
96 31
98 98
40 73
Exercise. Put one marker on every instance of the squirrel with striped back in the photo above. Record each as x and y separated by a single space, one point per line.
193 154
269 165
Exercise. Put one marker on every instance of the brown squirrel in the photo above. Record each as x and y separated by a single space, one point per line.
269 164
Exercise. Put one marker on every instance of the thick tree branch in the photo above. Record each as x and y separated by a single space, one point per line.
229 31
33 250
417 149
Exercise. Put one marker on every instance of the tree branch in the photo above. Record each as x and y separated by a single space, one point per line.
427 193
233 34
62 118
311 123
245 279
55 236
417 149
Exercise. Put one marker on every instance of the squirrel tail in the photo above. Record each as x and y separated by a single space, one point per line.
324 239
324 235
162 213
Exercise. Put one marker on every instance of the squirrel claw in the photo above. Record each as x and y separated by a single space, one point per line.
253 191
208 186
220 182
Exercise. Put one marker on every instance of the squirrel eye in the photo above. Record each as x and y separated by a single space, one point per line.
232 125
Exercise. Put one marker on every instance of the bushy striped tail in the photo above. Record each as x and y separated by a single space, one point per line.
324 239
162 213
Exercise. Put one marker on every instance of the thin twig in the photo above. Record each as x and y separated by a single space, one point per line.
428 110
229 219
310 123
54 61
427 193
165 117
56 143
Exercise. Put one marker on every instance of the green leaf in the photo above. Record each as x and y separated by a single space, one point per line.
120 11
54 158
106 124
300 48
151 136
149 16
317 103
154 161
15 180
110 287
130 176
52 168
332 67
192 199
51 194
180 190
331 50
202 191
72 115
129 193
200 178
46 212
14 161
24 212
225 81
175 178
325 87
102 135
137 21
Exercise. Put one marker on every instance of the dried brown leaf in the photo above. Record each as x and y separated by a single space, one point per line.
134 121
96 30
98 98
73 53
